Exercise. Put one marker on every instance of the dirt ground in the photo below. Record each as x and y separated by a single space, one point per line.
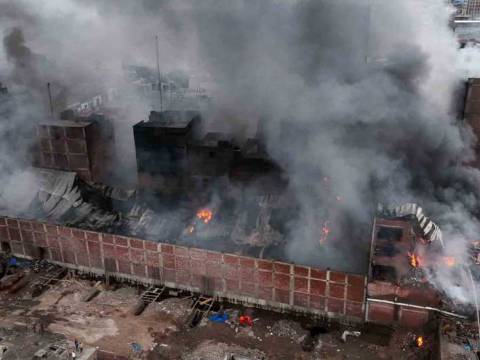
163 331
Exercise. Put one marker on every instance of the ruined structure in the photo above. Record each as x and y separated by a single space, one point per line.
161 146
81 145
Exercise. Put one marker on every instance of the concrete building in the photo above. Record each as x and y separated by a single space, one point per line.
173 156
211 157
80 146
161 145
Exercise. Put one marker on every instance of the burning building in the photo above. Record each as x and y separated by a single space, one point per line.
162 149
173 156
211 157
406 250
229 215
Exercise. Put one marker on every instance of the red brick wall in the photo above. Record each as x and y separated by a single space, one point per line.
264 282
384 290
389 314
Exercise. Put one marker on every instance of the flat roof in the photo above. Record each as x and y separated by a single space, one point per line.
212 139
66 123
169 119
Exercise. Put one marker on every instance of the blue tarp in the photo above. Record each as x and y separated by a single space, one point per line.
22 263
218 318
12 262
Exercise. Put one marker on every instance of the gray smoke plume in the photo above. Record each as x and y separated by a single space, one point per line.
355 98
354 92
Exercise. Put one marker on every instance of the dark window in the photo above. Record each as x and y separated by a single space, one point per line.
384 273
386 249
6 247
390 233
41 253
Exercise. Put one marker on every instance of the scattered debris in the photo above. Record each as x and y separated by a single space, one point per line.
350 333
176 307
288 328
209 350
90 294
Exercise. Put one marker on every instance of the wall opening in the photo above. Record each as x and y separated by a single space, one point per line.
390 234
384 273
5 246
40 253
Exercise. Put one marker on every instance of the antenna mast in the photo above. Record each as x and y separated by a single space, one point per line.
50 99
369 20
158 74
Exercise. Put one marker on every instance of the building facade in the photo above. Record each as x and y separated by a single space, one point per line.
471 8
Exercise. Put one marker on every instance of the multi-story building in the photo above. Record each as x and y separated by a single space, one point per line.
161 149
173 156
80 145
472 110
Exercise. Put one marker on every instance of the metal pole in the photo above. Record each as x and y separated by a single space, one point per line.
158 74
448 313
367 45
50 99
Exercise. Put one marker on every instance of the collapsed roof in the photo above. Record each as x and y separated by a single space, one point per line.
427 228
65 198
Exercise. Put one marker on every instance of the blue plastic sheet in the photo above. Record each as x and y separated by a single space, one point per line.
218 318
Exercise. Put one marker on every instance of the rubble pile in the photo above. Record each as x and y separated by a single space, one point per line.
288 328
176 307
209 350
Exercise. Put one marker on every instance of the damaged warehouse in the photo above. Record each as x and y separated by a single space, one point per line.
274 180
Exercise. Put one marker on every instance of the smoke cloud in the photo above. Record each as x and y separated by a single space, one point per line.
355 97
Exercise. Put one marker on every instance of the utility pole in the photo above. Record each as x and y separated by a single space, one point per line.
367 45
50 100
158 75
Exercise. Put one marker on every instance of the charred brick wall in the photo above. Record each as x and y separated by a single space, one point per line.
389 299
266 283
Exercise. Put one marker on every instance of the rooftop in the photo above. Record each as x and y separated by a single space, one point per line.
66 123
169 119
212 139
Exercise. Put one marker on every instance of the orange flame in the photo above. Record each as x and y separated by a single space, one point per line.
419 341
414 260
205 215
191 229
449 261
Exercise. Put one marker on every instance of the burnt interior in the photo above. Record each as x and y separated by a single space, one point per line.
384 273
